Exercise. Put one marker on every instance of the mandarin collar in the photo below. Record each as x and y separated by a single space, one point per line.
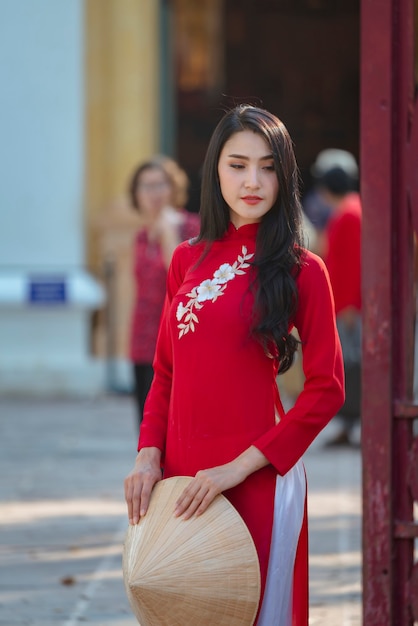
248 231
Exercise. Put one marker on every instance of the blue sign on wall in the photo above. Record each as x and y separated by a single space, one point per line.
47 290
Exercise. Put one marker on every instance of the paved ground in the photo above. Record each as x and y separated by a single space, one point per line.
62 517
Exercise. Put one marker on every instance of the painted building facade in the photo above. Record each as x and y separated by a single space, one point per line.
79 108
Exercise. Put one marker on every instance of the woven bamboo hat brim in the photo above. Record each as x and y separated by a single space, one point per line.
198 572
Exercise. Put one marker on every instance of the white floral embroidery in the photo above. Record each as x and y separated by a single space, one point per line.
224 273
181 310
209 289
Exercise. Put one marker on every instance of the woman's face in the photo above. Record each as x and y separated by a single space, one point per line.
247 177
153 191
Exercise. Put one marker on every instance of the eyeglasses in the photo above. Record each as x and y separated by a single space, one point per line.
147 187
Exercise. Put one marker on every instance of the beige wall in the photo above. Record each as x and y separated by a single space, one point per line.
122 115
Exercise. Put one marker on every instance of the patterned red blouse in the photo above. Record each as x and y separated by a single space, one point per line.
150 276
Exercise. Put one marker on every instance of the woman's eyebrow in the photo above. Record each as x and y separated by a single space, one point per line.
268 157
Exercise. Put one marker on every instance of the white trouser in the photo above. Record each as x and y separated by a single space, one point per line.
289 506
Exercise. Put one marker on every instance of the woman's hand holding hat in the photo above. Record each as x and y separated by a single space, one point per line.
207 484
140 482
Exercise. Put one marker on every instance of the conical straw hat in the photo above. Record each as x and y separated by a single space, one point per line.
198 572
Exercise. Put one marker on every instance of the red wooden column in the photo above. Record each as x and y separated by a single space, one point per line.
376 192
389 187
405 453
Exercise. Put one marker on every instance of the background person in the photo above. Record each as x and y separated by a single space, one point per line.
214 410
157 190
337 182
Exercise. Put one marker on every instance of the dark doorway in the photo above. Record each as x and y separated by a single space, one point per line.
297 58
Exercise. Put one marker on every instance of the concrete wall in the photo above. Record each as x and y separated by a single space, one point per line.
44 338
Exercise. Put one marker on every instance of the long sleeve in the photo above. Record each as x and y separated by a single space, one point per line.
323 392
154 425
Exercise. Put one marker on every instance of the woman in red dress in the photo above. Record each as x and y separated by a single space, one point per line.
214 411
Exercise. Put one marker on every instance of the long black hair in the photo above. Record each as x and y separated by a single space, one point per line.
279 239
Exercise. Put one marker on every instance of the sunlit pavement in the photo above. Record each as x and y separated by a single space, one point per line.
334 506
62 516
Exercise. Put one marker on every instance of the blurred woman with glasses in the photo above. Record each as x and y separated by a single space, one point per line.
158 191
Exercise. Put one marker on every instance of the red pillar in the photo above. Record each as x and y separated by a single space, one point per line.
389 182
376 191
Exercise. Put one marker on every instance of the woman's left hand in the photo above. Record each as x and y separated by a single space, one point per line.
208 483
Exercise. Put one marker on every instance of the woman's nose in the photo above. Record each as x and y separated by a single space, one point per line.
252 179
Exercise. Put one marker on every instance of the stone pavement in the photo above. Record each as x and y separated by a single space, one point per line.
63 520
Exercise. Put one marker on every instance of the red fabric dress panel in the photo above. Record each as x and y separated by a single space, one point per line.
343 255
150 276
214 390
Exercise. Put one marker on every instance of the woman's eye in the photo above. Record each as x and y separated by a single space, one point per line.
269 168
237 166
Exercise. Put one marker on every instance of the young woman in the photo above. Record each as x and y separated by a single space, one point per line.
214 410
158 190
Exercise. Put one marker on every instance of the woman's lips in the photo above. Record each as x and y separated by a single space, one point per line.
251 199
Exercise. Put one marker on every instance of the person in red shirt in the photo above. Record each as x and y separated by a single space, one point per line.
342 256
214 411
157 190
